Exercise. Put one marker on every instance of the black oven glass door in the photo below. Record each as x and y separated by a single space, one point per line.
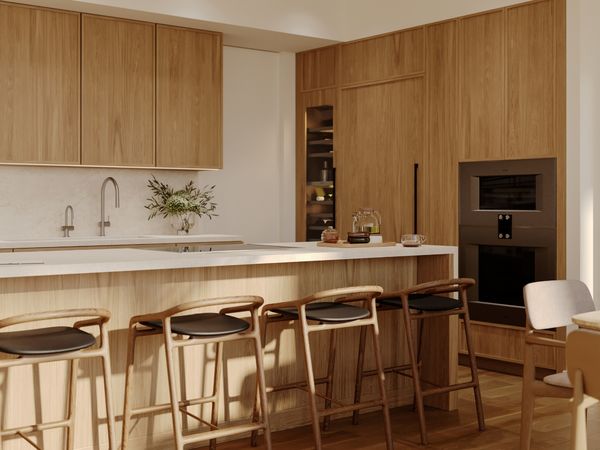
508 192
503 271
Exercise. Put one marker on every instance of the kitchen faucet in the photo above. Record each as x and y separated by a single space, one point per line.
69 226
103 222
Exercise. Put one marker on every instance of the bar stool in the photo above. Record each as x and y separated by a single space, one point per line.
59 343
427 301
200 329
331 311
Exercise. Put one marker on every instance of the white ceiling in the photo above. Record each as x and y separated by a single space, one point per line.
283 25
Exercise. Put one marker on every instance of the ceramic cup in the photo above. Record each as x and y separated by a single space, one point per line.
412 240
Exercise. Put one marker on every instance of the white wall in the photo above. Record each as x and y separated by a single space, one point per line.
583 93
255 191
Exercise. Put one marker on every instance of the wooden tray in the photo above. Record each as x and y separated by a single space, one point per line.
344 244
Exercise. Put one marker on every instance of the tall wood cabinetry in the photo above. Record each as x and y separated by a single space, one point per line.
79 89
117 92
316 77
39 85
489 86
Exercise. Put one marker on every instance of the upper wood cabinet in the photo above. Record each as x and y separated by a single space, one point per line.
531 73
117 92
383 57
482 86
317 68
189 98
39 85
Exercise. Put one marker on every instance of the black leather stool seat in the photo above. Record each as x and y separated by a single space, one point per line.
45 341
424 302
203 325
327 312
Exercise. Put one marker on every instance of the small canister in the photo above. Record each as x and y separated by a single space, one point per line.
330 235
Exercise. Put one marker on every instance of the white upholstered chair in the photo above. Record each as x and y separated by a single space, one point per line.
549 304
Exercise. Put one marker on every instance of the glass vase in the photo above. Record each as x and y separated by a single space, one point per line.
183 223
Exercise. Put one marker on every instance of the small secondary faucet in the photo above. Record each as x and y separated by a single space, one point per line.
69 226
103 222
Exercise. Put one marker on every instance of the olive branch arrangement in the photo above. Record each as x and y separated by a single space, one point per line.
167 202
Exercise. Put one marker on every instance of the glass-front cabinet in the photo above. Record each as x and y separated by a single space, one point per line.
320 173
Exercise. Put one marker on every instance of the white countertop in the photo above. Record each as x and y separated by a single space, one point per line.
68 262
93 241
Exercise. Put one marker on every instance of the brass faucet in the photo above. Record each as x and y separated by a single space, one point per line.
69 226
103 222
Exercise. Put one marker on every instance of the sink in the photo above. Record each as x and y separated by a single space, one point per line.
195 248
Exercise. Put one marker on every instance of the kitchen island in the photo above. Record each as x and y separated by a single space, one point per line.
135 281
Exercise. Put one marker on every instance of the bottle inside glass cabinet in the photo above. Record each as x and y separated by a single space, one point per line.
320 171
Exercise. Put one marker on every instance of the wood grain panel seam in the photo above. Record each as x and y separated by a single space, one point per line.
410 76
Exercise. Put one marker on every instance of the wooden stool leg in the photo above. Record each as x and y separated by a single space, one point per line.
420 326
128 386
528 398
108 395
310 380
474 374
262 385
214 417
177 428
329 384
579 414
381 378
257 399
72 404
415 371
359 372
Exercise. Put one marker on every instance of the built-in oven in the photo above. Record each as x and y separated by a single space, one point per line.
507 233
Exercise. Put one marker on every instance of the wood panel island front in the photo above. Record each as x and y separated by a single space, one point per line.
129 282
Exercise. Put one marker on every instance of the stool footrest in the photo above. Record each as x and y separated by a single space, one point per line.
295 385
223 432
350 408
34 428
167 406
446 389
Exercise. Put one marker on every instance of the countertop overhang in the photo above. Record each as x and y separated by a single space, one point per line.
70 262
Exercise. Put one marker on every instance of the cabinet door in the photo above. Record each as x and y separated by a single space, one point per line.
383 57
482 87
531 77
189 98
39 85
117 92
380 139
317 68
439 175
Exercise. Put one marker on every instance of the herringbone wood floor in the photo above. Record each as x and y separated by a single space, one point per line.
452 430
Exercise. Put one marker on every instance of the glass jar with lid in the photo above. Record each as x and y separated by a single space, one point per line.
367 220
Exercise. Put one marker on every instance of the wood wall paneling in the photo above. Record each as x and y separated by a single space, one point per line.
439 174
117 92
530 80
383 57
482 86
380 137
319 68
189 113
39 85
